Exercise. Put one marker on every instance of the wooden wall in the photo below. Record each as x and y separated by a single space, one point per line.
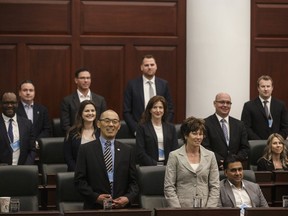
269 45
46 40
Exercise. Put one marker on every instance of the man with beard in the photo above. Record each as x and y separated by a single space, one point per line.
17 143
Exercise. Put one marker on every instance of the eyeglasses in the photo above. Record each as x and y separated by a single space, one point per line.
108 121
224 102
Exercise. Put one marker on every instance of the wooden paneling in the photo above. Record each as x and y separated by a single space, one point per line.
47 40
35 17
269 45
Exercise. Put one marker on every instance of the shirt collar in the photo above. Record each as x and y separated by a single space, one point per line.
145 80
27 105
232 185
6 118
262 100
80 95
220 118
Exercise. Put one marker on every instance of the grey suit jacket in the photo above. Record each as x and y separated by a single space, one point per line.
182 183
227 198
70 105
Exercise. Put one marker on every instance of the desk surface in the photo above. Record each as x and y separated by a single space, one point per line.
113 212
34 213
266 211
197 211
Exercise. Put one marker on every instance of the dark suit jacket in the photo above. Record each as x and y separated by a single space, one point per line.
134 101
41 121
253 115
227 198
147 143
71 148
27 143
265 165
215 140
91 177
70 105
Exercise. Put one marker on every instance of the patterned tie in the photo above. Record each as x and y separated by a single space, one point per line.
225 130
10 131
266 109
151 90
108 156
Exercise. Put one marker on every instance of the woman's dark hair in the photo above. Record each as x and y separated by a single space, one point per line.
79 124
191 124
146 116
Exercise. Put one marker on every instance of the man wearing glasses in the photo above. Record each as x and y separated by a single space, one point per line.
17 143
71 103
236 191
105 168
224 134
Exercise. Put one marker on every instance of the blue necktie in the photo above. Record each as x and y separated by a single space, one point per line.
10 131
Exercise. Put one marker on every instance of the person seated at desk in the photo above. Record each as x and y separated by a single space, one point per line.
155 137
236 191
275 154
192 171
83 131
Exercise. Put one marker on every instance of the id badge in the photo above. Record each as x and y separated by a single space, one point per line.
270 122
15 146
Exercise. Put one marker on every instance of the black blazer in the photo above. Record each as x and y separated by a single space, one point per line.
147 143
134 101
27 143
41 120
70 105
91 177
265 165
71 147
215 140
253 115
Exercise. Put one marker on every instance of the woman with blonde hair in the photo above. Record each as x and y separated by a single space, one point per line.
275 155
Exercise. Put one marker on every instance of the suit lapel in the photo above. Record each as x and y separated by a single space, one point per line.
219 129
261 107
3 131
141 92
76 101
36 113
184 159
229 191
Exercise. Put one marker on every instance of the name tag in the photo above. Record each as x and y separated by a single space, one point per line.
15 146
270 122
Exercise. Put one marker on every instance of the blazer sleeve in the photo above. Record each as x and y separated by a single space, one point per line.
68 152
65 114
244 145
246 118
46 124
31 150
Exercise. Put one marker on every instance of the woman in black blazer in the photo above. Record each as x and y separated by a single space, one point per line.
83 131
275 154
155 137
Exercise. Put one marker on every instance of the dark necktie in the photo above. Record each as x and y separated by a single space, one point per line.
266 109
225 130
10 131
108 156
151 90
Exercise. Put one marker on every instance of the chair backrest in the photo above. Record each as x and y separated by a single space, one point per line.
57 130
151 184
68 198
51 157
20 182
124 132
256 152
178 131
249 175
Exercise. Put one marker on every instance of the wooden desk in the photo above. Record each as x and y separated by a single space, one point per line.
197 211
280 186
34 213
114 212
272 211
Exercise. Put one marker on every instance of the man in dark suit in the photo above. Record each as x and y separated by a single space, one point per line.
71 103
261 124
224 134
98 178
136 95
17 143
37 113
237 192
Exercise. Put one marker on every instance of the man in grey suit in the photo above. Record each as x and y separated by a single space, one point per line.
106 168
236 191
137 93
261 124
224 134
71 103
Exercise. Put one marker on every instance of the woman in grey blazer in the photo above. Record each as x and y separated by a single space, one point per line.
192 171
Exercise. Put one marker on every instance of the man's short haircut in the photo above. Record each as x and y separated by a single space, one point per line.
148 56
79 70
232 158
264 77
26 81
